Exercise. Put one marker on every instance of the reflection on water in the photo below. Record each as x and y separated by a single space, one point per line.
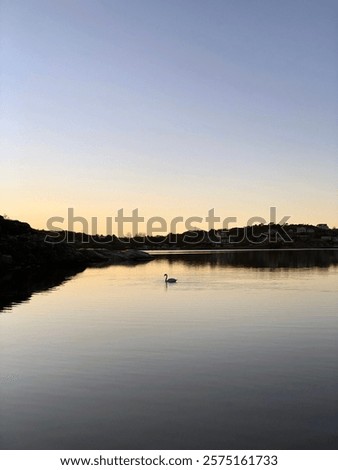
240 353
19 286
256 259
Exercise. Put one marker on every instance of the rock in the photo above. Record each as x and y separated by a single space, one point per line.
6 260
103 255
137 255
15 227
23 247
93 256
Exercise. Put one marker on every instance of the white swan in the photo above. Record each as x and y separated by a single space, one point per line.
171 279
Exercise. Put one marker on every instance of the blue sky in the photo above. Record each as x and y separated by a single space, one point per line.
172 107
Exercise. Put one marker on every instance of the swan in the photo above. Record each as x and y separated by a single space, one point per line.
171 279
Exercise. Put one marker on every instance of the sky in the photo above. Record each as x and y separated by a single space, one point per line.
172 107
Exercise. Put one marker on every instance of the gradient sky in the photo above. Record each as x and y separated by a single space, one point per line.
173 107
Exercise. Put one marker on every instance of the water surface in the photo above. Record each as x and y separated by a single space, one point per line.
240 354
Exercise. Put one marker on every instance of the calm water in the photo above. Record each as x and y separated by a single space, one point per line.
241 353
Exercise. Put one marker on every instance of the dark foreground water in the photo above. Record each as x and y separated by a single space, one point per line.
242 353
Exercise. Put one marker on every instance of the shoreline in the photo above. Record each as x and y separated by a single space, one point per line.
231 250
23 247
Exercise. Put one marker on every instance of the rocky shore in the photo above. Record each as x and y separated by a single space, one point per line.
23 247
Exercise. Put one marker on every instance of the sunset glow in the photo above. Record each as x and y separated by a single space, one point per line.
173 108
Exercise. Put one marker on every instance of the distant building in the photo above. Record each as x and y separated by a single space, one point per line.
323 226
326 238
224 235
